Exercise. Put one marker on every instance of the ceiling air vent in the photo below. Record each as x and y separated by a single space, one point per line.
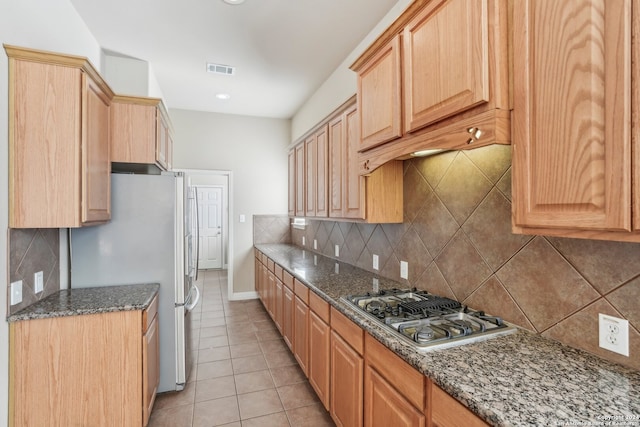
221 69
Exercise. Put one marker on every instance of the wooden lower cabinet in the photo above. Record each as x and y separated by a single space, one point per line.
319 348
448 412
347 370
88 370
358 380
277 304
301 334
288 306
394 392
385 406
150 367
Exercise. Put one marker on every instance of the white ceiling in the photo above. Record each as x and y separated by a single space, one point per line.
282 49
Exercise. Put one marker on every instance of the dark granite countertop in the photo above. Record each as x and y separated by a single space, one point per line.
75 302
522 379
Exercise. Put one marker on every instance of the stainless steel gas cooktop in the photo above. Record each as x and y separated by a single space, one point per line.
429 321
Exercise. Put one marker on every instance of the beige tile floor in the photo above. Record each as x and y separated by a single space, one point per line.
245 374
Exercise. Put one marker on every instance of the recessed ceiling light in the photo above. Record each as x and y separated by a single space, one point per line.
223 96
233 1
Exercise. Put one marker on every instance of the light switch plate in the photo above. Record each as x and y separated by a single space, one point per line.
242 218
38 282
404 269
16 292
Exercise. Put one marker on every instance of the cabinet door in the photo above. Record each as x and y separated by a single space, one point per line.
384 406
46 108
353 182
133 133
336 159
292 183
301 335
322 165
379 97
277 302
150 368
300 180
96 159
288 303
446 61
271 293
311 175
162 133
571 116
346 186
346 383
319 357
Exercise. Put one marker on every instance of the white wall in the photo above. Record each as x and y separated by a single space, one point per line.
255 150
42 24
342 84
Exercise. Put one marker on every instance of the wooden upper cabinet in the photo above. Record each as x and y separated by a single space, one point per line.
572 118
311 175
141 132
59 168
346 186
316 150
451 90
446 61
327 180
292 182
379 100
300 180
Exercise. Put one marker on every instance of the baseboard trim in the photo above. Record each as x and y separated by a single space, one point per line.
240 296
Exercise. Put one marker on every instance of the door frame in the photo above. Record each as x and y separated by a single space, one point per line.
228 198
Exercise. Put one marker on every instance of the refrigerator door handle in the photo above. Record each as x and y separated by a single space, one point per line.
193 303
197 244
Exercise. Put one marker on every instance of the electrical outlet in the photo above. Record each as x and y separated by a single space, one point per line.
376 285
242 218
375 262
337 251
38 282
404 270
614 334
337 269
304 241
315 244
16 292
315 260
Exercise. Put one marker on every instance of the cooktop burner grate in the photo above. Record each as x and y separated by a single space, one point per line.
434 303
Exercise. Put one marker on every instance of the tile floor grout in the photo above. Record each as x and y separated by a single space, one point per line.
281 397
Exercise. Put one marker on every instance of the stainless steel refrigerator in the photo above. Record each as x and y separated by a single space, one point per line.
150 239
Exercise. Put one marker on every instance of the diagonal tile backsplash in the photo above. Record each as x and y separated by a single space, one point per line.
457 239
32 250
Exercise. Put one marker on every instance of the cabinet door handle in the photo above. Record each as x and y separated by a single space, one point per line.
366 165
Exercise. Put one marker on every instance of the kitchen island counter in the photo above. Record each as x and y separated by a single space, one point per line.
522 379
75 302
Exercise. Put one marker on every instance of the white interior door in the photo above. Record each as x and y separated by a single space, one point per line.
210 218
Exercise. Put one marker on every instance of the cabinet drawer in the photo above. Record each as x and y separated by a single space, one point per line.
287 279
278 270
396 371
271 265
447 411
149 314
319 306
349 331
301 291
